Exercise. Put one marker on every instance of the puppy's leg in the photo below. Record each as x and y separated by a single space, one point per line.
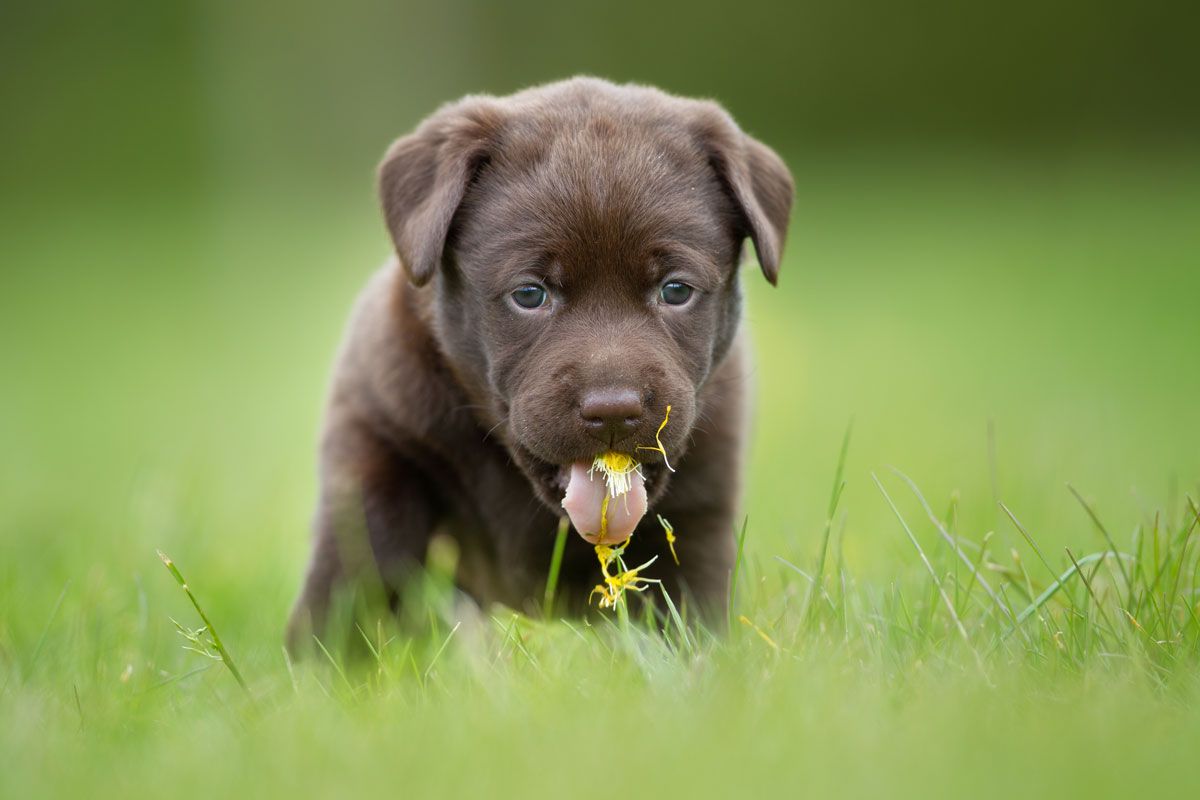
373 524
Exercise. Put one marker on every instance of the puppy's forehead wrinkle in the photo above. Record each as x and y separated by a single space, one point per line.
585 221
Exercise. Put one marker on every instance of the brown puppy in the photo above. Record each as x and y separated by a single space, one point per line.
567 269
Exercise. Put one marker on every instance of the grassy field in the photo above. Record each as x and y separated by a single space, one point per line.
994 328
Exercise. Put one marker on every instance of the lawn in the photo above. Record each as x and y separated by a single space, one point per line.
1018 337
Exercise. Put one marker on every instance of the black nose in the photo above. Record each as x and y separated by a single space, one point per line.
611 414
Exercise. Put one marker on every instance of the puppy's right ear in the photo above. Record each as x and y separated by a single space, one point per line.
424 176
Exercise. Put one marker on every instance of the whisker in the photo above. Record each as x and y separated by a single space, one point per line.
487 434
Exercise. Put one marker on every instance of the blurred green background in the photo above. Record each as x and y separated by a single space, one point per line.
996 225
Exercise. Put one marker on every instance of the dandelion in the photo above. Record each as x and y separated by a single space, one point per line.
658 440
617 470
615 585
669 530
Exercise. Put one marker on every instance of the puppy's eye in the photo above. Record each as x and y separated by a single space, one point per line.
530 296
675 293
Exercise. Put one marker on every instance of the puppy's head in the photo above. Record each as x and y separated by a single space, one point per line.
581 241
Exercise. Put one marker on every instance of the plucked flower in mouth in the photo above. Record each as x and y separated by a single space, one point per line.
590 492
617 469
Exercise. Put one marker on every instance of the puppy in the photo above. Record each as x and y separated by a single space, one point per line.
567 267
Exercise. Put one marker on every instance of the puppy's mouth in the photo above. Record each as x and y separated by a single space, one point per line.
580 491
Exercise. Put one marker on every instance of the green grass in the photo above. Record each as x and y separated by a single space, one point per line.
928 605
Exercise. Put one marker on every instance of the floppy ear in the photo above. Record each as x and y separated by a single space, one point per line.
758 180
424 176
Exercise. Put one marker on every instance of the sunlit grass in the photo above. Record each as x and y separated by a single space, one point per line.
962 623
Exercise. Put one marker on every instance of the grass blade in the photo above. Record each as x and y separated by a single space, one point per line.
737 568
1095 597
560 545
1053 589
928 566
674 612
442 649
937 523
218 645
835 495
41 642
1103 532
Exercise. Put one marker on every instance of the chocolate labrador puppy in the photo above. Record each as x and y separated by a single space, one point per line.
567 268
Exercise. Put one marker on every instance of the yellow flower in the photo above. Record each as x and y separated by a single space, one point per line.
616 469
669 530
615 586
658 440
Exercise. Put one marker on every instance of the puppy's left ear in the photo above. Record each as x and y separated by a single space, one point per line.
424 176
758 180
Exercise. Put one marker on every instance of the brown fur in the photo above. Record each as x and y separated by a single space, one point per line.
452 410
